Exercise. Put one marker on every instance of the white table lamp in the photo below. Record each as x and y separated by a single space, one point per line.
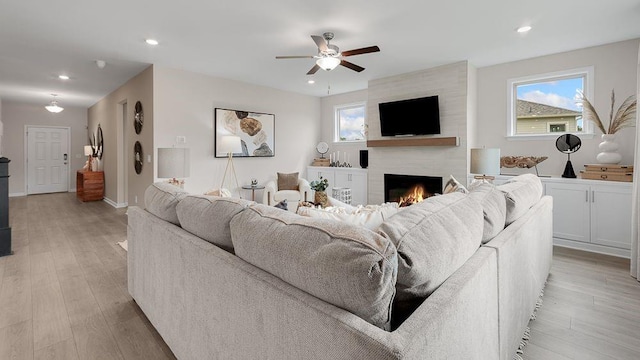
485 162
173 164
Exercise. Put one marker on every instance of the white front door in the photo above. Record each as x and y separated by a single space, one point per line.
47 160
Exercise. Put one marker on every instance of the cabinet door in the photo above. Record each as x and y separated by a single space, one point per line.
570 211
356 181
611 216
314 173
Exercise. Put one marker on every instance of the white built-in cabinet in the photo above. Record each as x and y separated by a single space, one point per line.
589 215
353 178
592 216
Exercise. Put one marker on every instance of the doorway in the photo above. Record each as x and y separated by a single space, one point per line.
47 157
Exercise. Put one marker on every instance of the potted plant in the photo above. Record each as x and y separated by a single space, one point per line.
319 186
624 117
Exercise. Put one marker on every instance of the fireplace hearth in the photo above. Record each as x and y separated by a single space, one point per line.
410 189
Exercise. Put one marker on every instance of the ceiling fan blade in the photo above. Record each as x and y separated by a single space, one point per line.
295 57
351 66
365 50
319 40
313 69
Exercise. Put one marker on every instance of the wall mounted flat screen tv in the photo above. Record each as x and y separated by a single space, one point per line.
419 116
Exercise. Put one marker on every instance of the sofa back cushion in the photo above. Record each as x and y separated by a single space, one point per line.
434 238
342 264
208 217
161 199
521 192
494 209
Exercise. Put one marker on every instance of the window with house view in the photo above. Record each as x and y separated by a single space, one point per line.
548 105
350 122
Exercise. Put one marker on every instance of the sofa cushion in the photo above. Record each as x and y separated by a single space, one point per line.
434 238
288 181
494 209
521 192
161 199
342 264
208 217
370 216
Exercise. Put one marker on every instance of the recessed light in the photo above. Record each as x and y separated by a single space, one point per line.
311 81
153 42
524 29
63 77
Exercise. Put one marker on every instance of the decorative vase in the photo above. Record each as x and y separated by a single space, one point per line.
609 150
321 199
95 164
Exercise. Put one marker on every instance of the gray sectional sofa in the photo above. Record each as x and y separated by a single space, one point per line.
224 278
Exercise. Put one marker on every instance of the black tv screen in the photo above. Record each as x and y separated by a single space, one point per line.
419 116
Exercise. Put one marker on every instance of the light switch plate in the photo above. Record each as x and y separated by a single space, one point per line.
148 158
181 139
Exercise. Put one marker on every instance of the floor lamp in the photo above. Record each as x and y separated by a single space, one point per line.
173 164
230 145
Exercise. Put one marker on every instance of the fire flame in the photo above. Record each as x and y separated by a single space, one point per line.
415 195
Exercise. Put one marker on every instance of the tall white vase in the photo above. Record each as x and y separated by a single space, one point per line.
609 150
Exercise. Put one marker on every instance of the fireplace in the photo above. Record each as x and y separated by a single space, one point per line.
409 189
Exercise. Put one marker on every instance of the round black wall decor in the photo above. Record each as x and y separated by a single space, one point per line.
138 117
138 157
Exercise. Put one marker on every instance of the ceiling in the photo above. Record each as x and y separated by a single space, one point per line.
239 40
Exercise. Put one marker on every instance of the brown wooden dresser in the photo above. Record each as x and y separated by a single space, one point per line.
90 185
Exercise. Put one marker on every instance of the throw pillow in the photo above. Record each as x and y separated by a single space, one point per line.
494 209
370 216
454 185
282 205
287 181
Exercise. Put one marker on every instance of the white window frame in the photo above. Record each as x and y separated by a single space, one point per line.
336 121
587 126
550 124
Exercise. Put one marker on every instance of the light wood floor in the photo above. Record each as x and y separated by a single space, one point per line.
63 294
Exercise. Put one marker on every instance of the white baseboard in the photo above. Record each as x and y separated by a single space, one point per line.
17 194
606 250
115 204
72 190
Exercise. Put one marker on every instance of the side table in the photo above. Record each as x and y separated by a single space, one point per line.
253 189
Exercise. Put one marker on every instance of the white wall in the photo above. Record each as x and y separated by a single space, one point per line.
328 125
16 116
614 67
184 104
450 83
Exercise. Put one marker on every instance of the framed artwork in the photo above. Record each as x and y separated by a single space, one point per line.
255 130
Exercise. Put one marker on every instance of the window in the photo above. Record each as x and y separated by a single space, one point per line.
547 104
350 123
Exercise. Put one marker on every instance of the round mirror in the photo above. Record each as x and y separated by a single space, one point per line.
568 143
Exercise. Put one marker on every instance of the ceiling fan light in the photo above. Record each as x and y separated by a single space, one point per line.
328 63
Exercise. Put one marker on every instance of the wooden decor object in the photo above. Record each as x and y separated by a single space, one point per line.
90 185
439 141
608 172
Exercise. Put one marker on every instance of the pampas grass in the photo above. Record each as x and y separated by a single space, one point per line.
624 117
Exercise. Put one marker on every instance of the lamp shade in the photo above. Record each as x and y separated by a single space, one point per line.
328 63
88 151
231 144
485 161
173 163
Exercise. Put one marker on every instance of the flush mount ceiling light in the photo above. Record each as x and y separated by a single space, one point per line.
328 63
63 77
311 81
153 42
53 105
523 29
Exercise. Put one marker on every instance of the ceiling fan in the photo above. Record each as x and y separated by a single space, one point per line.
329 55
